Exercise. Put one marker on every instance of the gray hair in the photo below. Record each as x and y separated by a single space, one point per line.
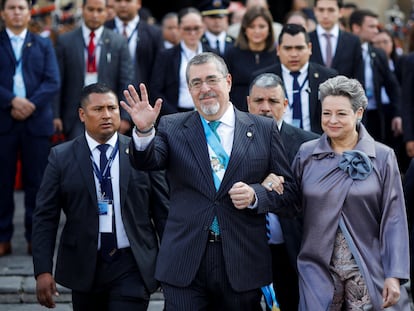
343 86
204 58
267 81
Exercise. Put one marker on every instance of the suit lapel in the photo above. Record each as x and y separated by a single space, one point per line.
81 152
340 46
105 55
6 44
124 168
80 51
194 134
243 134
314 81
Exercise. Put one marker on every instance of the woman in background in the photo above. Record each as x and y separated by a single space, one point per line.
254 49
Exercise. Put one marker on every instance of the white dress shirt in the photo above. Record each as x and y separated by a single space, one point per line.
323 40
121 236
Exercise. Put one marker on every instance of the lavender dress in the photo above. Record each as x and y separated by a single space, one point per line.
369 210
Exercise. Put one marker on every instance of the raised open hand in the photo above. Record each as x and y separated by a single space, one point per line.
142 113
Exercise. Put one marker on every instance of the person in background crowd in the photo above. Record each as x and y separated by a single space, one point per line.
115 216
384 40
234 28
346 10
301 78
214 253
332 47
169 27
110 9
215 18
382 118
267 98
144 40
29 82
91 53
168 79
299 18
254 48
355 250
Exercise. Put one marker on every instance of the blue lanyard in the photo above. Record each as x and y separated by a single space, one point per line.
132 33
106 171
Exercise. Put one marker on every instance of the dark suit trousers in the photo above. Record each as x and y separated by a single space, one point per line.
33 151
117 286
211 290
285 278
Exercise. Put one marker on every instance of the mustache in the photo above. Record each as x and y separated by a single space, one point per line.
208 94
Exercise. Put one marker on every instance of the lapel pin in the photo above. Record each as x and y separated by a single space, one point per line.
373 55
106 41
127 150
249 134
29 44
316 75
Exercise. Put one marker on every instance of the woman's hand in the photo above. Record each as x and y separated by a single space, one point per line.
390 292
274 183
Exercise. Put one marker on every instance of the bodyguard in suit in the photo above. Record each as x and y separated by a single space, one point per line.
90 54
215 18
115 216
214 253
267 98
29 80
294 50
332 47
382 120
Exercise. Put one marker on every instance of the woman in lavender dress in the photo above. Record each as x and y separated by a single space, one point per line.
355 253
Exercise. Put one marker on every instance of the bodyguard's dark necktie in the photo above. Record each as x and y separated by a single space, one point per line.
297 101
108 239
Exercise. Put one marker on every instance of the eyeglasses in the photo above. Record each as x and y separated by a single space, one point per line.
192 29
196 84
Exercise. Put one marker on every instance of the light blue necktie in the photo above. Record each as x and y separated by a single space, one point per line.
19 88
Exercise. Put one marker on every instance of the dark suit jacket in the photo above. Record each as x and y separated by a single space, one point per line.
292 138
348 55
180 146
384 77
317 74
149 42
114 70
228 43
408 97
165 78
68 185
41 78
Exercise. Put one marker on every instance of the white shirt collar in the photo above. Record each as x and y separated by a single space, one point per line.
131 25
302 70
190 53
86 32
228 118
212 38
93 144
334 31
21 35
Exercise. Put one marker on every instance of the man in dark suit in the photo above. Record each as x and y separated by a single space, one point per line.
144 40
294 50
216 19
90 54
332 47
214 253
267 98
29 82
382 119
115 216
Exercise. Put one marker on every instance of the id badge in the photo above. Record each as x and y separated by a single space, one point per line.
105 212
91 77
